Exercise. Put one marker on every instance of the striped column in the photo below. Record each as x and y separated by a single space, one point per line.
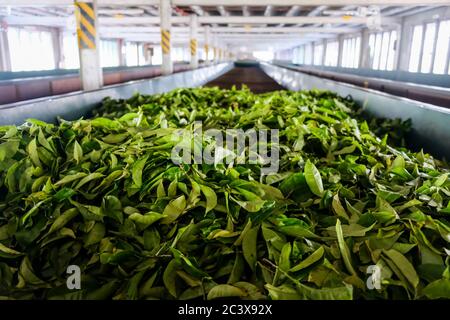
193 41
90 70
207 40
216 49
193 46
165 14
165 41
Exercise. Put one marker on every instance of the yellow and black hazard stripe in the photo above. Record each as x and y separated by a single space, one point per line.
165 41
86 31
206 51
193 45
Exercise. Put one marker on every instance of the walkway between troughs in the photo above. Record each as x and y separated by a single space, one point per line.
253 77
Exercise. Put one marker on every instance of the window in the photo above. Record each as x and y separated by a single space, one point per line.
376 51
33 49
351 52
391 51
332 53
109 53
441 59
428 47
416 48
318 54
131 54
295 55
71 58
157 55
308 54
263 55
382 47
178 54
384 50
142 60
201 53
299 55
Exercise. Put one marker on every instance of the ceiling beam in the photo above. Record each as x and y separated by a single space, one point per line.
230 30
245 11
393 11
197 10
152 10
232 2
222 11
271 36
61 21
268 10
113 12
413 11
282 30
307 2
71 2
126 35
288 20
293 11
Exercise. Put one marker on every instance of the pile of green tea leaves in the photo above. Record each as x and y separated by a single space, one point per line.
103 194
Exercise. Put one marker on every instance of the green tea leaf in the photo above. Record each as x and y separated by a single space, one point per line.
313 178
311 259
225 291
211 198
174 209
249 244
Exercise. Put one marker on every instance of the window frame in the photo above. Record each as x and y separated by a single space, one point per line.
107 43
353 37
39 31
317 45
437 23
336 60
379 57
446 68
425 24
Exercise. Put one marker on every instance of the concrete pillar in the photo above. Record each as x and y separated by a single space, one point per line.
194 41
57 40
165 12
324 52
121 53
364 61
404 44
148 54
207 44
341 50
5 58
88 43
400 35
213 48
216 49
